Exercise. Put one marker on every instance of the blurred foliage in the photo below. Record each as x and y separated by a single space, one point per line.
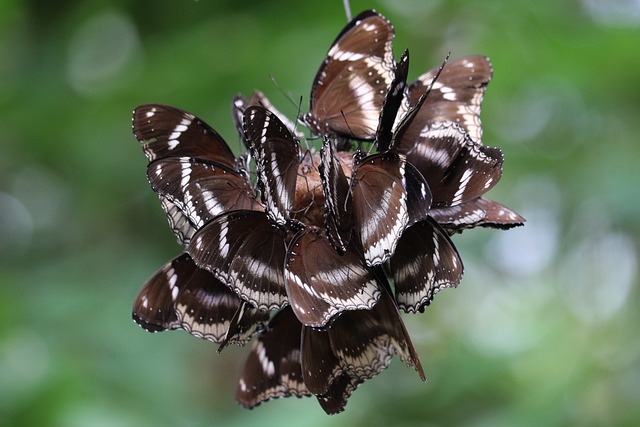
542 330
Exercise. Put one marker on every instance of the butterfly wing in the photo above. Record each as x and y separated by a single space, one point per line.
419 197
425 262
168 132
272 368
322 283
320 366
244 250
476 212
379 204
392 103
198 190
334 399
366 340
456 95
179 223
456 168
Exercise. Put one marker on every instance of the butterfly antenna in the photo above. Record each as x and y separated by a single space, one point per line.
413 111
285 93
346 122
437 74
297 105
308 157
295 129
307 163
347 9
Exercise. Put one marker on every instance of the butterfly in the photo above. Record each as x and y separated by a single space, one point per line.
359 345
350 87
321 283
288 358
338 220
389 195
425 262
272 368
182 296
277 156
191 167
459 172
441 135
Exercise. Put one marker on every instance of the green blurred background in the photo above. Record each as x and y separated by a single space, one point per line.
543 328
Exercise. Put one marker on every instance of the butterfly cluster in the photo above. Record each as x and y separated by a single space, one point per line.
312 254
